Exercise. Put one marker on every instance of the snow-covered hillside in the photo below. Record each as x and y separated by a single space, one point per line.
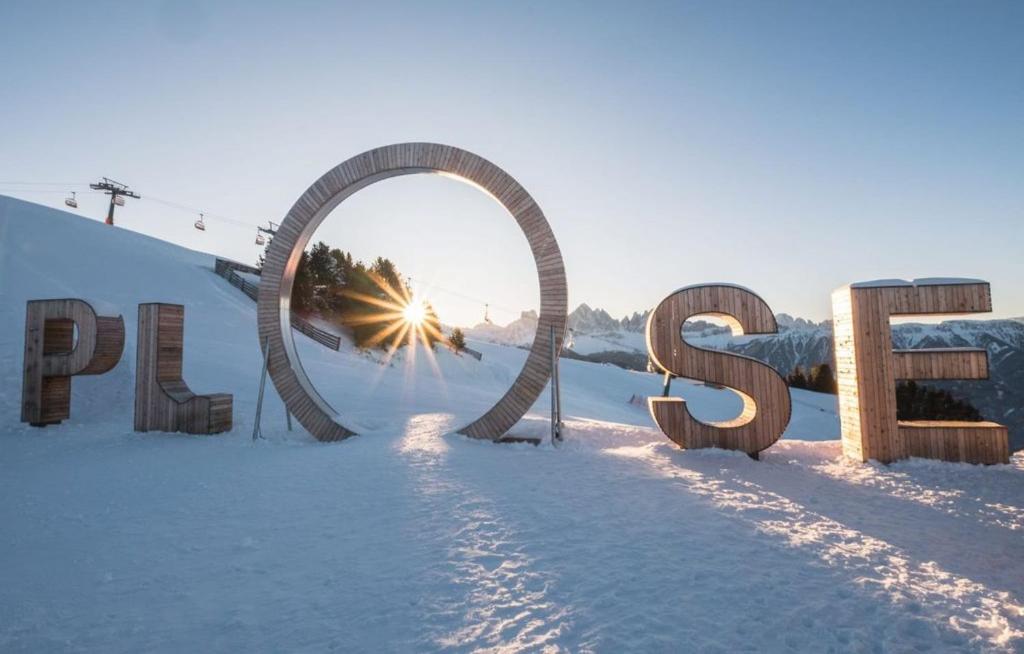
408 538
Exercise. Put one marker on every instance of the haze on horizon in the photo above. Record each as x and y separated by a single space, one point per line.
790 148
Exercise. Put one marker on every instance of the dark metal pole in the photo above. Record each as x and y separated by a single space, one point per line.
256 433
110 213
554 390
556 394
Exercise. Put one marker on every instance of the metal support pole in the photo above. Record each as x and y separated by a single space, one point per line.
556 395
256 433
558 392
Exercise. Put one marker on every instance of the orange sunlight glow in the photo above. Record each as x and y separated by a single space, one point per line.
406 318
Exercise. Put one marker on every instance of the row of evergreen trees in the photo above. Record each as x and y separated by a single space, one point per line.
340 289
913 401
819 379
917 402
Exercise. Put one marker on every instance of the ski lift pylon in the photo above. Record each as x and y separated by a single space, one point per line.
200 225
71 201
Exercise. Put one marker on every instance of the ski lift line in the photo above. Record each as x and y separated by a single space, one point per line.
86 185
193 210
66 185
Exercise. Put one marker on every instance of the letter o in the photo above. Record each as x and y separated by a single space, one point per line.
274 307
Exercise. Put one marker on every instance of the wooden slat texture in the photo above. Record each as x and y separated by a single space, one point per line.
273 312
947 440
52 357
867 367
960 363
765 396
163 401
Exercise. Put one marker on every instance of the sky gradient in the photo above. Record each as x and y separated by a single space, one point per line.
788 147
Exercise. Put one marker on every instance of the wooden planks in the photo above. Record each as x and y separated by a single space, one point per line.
867 367
947 363
765 396
163 401
949 440
274 313
52 357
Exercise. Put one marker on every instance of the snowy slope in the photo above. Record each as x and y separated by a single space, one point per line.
406 538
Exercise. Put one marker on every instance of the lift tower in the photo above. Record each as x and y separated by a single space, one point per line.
117 192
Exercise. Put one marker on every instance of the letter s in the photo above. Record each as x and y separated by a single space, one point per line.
766 403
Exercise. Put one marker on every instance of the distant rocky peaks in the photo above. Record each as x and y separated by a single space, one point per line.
586 320
786 321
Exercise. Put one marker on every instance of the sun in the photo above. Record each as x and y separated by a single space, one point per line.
415 312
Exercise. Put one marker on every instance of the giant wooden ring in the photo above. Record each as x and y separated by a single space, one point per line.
273 312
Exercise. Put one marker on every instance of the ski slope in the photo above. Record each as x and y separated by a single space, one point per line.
409 538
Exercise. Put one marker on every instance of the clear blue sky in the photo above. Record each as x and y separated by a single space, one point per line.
789 147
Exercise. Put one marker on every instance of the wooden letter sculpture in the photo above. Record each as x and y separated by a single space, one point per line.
274 308
766 404
52 357
163 402
867 369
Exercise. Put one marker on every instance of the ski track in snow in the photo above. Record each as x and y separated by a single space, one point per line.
493 592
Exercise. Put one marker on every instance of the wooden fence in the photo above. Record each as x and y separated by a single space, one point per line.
229 271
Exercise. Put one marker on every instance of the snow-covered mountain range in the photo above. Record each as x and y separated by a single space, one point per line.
597 336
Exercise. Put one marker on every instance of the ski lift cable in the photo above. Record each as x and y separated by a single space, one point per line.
9 183
63 191
194 210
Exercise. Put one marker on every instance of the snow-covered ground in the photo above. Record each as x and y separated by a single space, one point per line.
410 538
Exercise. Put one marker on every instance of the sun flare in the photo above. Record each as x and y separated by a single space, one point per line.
415 312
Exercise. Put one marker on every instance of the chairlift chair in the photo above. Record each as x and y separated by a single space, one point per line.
71 201
259 237
118 200
200 225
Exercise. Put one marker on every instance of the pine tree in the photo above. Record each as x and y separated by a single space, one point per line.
302 287
797 378
386 271
822 380
457 340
